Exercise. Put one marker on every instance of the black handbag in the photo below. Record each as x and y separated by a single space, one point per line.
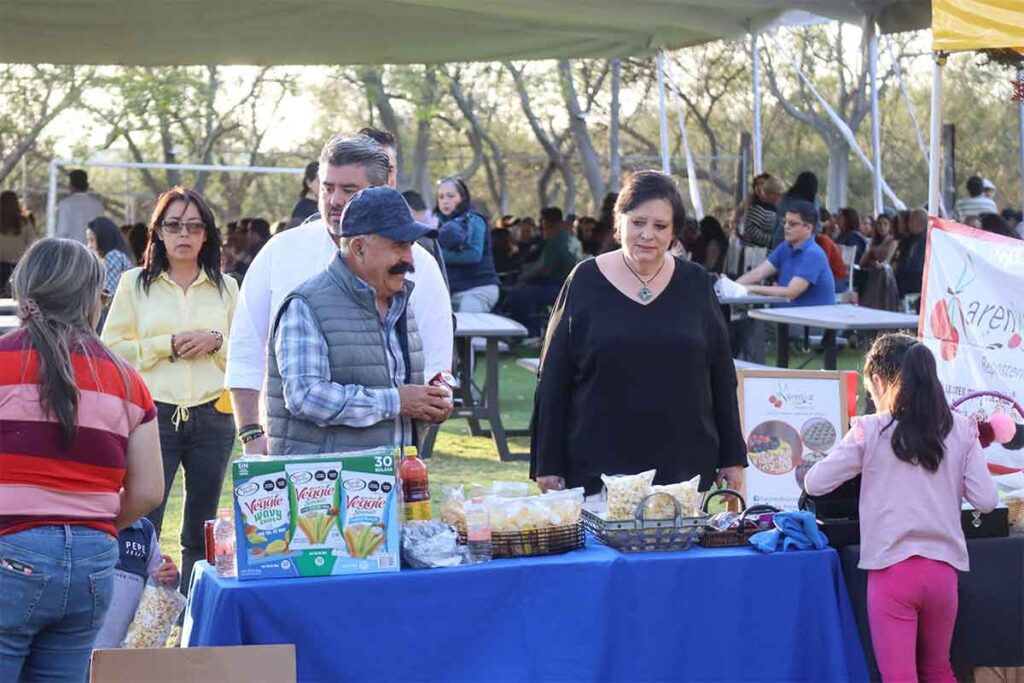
995 524
837 513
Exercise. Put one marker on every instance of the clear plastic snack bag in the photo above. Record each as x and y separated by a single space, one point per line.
564 507
453 506
685 493
625 493
432 544
158 611
510 489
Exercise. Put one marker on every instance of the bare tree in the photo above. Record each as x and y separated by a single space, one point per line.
486 151
556 157
817 47
32 97
714 78
593 166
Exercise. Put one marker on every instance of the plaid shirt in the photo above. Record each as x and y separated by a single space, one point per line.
309 393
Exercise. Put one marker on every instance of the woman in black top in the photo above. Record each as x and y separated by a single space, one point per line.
636 371
306 206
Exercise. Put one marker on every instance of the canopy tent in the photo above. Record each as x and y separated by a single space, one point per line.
268 32
272 32
969 25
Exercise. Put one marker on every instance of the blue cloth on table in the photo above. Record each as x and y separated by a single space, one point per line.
727 614
793 531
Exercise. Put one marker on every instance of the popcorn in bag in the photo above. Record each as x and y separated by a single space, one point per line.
155 616
685 493
626 492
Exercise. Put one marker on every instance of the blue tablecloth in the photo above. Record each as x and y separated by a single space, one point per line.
591 615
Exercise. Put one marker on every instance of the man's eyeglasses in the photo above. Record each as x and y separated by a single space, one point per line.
173 227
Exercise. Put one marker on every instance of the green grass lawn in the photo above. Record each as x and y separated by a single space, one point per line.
459 458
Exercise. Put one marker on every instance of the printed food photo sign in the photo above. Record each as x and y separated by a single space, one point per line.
791 419
972 319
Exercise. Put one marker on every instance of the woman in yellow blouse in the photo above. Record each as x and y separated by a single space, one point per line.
170 319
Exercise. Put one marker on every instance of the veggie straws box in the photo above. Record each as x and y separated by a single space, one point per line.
316 515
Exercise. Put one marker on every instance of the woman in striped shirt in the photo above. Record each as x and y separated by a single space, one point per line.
79 459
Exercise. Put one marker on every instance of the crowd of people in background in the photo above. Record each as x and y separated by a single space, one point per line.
516 265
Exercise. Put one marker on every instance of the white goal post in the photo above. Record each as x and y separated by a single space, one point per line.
57 164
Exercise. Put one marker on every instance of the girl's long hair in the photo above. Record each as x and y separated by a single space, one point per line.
57 284
11 218
154 261
920 412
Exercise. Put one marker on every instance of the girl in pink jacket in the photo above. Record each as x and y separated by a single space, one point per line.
918 461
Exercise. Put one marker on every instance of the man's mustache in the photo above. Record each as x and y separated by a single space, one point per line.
401 267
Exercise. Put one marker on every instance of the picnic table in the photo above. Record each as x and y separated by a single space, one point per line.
481 403
533 365
751 342
752 300
8 307
835 318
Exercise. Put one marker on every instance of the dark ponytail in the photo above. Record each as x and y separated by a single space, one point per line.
920 411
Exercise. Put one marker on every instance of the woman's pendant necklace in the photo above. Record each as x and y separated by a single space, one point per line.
645 292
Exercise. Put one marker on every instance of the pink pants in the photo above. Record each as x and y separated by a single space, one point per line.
912 608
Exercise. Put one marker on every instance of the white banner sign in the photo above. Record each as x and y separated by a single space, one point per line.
972 319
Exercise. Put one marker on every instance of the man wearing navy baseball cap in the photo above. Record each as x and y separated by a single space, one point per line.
345 365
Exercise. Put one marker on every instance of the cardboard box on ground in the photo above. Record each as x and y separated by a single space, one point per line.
243 664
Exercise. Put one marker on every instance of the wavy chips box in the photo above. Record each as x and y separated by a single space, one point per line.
321 515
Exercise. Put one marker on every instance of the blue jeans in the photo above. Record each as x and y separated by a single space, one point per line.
49 618
201 446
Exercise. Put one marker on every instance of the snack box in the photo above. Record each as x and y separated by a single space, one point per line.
320 515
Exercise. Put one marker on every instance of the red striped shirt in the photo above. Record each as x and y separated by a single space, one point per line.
44 481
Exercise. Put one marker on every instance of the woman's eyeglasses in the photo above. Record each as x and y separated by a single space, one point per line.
173 227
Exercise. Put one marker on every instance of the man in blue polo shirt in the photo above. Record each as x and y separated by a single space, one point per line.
799 263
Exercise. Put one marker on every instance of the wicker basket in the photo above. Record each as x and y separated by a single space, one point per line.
551 541
733 538
644 535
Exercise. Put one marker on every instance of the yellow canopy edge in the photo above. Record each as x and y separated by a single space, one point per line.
977 24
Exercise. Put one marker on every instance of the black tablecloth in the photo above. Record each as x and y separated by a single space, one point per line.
990 623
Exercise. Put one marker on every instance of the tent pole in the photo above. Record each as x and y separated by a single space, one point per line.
51 200
935 135
666 163
1020 107
755 61
876 124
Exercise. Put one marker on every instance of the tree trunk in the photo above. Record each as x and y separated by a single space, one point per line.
838 172
421 180
614 158
373 78
551 147
593 169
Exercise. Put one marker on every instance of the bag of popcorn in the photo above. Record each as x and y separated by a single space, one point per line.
156 615
625 493
685 493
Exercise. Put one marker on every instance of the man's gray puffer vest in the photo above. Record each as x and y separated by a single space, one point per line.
346 313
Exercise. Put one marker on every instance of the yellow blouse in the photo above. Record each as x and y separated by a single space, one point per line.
139 327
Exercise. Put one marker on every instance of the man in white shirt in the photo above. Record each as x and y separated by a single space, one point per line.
347 165
76 210
977 203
